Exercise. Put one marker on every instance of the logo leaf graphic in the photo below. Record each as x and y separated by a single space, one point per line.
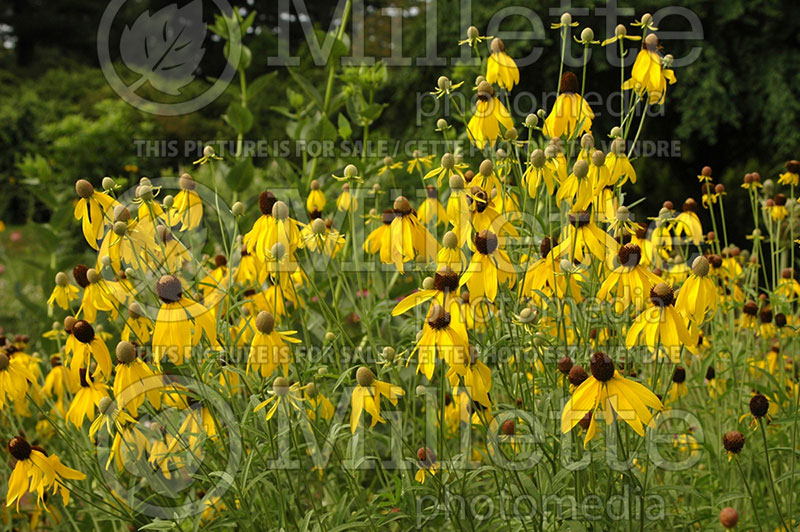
166 47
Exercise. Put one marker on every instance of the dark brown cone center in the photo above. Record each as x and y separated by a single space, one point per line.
662 297
577 375
602 366
19 448
759 405
445 281
266 200
169 289
83 331
569 83
79 273
486 242
629 255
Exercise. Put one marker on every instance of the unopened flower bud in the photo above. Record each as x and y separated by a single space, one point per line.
108 183
388 353
238 209
62 279
350 170
580 169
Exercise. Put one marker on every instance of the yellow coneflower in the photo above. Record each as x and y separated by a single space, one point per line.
256 237
426 464
15 378
318 404
250 270
710 194
748 319
484 126
616 396
777 207
545 278
389 165
477 379
63 292
766 327
570 110
619 165
138 327
620 34
214 285
640 239
35 472
649 76
110 416
282 393
316 198
697 298
448 167
661 326
280 228
487 178
791 177
406 238
630 283
451 255
537 171
134 380
180 323
89 347
788 287
367 396
600 176
93 209
578 188
458 209
58 382
269 350
95 296
431 208
129 443
85 402
582 235
419 162
443 333
678 387
688 223
760 407
490 267
501 69
318 238
379 237
441 288
486 217
187 204
556 160
346 201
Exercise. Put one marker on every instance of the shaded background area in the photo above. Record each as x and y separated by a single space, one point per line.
735 108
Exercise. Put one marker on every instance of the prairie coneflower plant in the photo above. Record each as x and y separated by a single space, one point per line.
433 339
